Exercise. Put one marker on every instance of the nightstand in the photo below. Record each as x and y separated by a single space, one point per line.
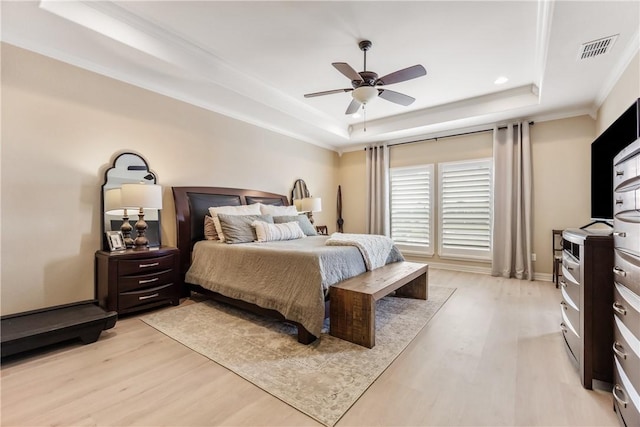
133 280
322 230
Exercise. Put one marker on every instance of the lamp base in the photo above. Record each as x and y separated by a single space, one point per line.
141 242
126 229
310 216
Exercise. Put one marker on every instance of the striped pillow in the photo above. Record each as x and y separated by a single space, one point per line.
266 232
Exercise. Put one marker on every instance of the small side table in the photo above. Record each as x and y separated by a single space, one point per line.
134 280
322 230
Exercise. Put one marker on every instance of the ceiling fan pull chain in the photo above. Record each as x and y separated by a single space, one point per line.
364 117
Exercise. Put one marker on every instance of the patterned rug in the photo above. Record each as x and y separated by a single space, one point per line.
322 380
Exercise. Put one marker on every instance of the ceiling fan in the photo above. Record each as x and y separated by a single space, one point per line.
366 83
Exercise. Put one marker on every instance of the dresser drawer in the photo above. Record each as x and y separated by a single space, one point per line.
133 299
141 266
625 397
626 174
129 283
626 270
624 201
626 306
571 314
626 348
571 339
572 290
570 268
626 235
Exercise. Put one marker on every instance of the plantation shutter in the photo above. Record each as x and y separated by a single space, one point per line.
411 208
466 209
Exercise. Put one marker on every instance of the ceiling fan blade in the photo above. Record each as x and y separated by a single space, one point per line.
327 92
402 75
346 69
396 97
353 107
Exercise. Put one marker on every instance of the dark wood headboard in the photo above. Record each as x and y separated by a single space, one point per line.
193 203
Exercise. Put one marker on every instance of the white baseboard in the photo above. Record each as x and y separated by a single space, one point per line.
542 277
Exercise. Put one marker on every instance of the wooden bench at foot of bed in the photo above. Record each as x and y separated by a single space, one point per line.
353 301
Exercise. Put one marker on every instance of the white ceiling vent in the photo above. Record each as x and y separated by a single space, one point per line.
596 47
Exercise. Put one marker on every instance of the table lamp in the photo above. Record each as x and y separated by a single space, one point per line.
113 206
141 197
310 205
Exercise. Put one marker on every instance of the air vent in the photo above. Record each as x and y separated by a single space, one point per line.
596 47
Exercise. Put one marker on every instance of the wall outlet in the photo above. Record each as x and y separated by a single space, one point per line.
533 257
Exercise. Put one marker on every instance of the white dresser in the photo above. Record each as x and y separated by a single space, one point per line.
626 304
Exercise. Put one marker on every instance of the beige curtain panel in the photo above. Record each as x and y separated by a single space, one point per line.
377 166
512 202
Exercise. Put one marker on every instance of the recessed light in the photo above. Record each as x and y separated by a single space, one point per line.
501 80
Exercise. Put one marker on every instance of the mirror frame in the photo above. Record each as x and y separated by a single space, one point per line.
124 163
299 189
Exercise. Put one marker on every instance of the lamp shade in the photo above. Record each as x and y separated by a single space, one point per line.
312 204
298 204
364 94
147 196
113 202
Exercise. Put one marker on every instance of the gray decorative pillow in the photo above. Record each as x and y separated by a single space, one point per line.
302 220
238 229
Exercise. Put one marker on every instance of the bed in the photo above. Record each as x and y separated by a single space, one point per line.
281 281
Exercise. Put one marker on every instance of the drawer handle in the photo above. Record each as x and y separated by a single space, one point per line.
148 296
615 391
620 234
619 201
620 173
563 327
568 267
619 308
153 264
618 349
620 272
563 283
142 282
564 305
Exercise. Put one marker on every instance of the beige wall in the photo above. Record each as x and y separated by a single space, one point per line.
560 187
625 92
61 128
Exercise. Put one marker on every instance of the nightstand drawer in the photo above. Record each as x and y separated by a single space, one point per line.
141 266
626 306
571 268
129 283
132 299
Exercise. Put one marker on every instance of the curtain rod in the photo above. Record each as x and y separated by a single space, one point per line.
448 136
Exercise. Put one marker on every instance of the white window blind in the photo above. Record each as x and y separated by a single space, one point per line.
411 208
465 209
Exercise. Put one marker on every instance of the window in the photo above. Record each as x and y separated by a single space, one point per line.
411 208
465 209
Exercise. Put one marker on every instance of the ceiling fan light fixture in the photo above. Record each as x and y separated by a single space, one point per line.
364 94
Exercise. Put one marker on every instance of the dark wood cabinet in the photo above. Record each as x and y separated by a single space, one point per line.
586 306
133 280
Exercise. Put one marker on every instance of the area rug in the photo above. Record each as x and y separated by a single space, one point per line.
322 380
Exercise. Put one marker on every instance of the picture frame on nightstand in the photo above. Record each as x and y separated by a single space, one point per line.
115 240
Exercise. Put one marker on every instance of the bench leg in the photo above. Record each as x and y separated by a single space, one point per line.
416 289
353 317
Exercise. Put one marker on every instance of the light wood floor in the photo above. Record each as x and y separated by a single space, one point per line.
492 356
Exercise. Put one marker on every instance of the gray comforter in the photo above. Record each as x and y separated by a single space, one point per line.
291 276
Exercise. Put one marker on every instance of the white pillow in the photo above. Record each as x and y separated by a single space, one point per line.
253 209
278 210
266 232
